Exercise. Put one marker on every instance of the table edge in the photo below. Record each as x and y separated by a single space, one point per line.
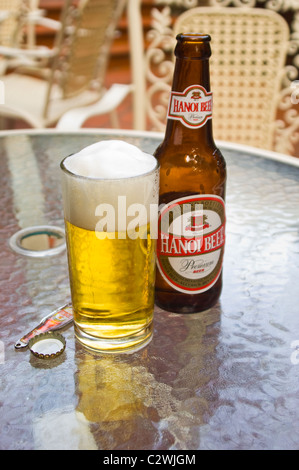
223 145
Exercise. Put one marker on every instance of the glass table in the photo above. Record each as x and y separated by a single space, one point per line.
227 378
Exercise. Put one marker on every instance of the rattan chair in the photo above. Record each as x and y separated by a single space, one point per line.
249 49
18 19
11 20
71 74
10 12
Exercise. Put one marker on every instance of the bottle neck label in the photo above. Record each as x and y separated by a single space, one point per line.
191 242
193 107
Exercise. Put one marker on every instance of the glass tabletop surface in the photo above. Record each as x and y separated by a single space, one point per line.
227 378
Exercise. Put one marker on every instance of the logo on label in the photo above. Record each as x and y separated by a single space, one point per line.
191 242
193 107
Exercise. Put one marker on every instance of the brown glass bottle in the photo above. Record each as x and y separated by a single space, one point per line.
192 172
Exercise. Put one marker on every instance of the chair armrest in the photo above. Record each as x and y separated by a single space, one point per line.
41 52
37 19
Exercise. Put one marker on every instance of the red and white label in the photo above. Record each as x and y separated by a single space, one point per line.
193 107
191 242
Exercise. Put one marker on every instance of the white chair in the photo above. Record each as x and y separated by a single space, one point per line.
77 116
18 19
71 74
10 13
249 49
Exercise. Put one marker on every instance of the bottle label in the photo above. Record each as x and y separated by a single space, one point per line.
193 107
191 242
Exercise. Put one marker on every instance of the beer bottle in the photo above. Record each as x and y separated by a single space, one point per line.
191 228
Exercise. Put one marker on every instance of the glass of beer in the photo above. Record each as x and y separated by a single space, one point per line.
110 197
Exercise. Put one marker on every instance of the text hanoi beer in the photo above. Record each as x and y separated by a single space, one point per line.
191 225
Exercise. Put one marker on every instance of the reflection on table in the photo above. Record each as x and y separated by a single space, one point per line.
223 379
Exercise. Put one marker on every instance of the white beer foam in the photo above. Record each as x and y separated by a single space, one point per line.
110 159
112 171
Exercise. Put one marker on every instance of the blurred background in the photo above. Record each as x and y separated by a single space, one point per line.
37 30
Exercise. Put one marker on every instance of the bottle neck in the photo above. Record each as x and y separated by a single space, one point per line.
189 72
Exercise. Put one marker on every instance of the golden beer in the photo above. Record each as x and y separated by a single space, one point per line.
111 266
112 283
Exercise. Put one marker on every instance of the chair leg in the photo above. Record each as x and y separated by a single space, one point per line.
114 119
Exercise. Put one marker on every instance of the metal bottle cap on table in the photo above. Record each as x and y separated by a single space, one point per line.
47 345
52 322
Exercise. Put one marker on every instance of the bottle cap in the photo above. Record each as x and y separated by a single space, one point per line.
47 345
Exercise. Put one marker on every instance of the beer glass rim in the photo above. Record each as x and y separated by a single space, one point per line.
91 178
